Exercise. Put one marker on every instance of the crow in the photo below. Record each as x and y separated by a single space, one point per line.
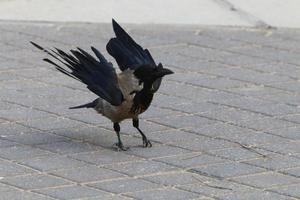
123 95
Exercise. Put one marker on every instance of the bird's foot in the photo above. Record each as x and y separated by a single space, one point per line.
146 142
120 147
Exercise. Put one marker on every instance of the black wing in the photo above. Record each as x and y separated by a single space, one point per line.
128 53
99 76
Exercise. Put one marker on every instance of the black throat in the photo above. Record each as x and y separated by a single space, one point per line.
142 99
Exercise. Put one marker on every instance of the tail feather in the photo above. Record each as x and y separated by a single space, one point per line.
87 105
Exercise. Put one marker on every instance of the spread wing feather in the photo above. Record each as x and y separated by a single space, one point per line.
128 54
126 51
99 76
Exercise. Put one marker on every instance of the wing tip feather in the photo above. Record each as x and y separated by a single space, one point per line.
36 45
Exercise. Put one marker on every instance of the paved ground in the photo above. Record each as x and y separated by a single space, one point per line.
225 126
254 13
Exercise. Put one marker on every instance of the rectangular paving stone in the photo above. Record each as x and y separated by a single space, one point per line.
239 153
69 147
265 124
6 188
250 75
259 91
19 152
172 136
141 168
284 147
275 109
105 157
23 195
226 170
7 143
36 138
13 128
85 133
183 121
242 102
158 151
12 169
279 68
249 137
71 192
216 187
190 141
267 180
87 174
289 190
284 97
275 162
203 107
167 101
232 115
51 123
115 197
35 181
256 194
52 162
218 129
21 114
292 171
177 178
292 86
164 194
125 185
288 132
191 160
291 117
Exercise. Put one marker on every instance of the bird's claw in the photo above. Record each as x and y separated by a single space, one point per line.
146 143
120 147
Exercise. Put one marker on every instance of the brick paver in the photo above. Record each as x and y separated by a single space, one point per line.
224 126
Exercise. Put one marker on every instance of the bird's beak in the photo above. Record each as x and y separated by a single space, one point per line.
162 72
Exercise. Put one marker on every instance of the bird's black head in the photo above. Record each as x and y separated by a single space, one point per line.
151 76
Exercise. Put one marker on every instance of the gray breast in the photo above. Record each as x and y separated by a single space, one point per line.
127 83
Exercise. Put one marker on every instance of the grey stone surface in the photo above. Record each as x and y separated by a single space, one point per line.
164 194
141 168
177 178
52 162
216 188
103 158
87 174
292 190
125 185
267 180
23 195
191 160
12 169
35 181
19 153
257 194
73 192
292 171
276 162
226 170
224 126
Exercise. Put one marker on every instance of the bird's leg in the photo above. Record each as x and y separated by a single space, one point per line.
119 144
146 142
